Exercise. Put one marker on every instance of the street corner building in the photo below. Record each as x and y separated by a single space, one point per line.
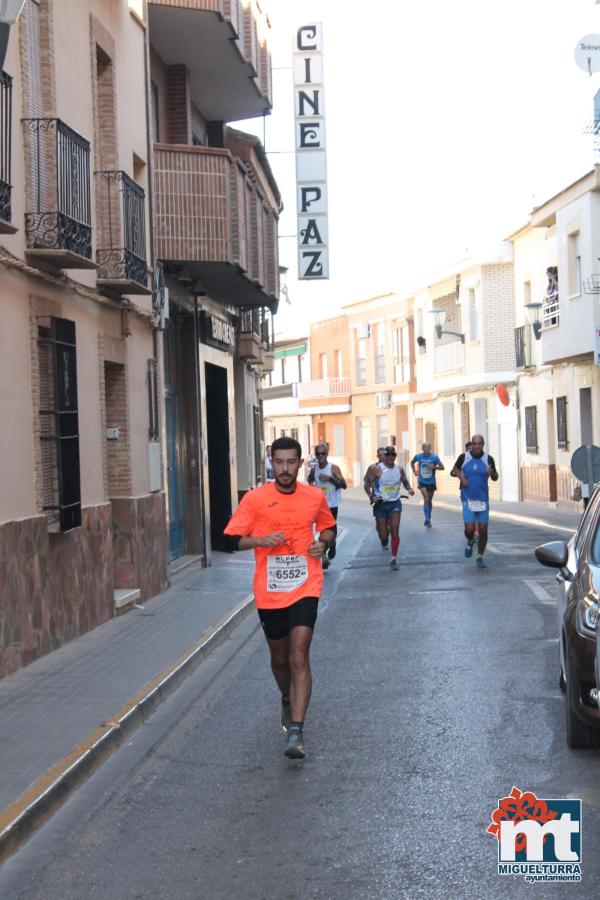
138 281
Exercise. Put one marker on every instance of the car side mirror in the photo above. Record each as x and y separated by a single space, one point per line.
555 555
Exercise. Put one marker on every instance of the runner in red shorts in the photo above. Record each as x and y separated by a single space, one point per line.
277 521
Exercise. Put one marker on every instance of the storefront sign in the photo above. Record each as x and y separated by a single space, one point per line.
216 332
311 157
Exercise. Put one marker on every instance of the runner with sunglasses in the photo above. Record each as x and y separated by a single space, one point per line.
328 477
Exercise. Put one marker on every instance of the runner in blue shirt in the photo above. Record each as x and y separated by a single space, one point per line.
475 468
424 466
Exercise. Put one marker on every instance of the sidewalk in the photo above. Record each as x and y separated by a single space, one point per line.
63 713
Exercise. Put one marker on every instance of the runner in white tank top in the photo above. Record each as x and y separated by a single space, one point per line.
385 482
367 481
328 477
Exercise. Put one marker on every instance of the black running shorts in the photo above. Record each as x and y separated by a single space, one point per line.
277 623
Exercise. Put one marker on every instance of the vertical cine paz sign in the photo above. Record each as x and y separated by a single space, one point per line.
311 155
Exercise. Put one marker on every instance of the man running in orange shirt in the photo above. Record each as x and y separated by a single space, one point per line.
277 521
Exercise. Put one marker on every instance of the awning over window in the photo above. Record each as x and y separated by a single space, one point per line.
295 350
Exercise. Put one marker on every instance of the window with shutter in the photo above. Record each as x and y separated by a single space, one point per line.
531 439
561 423
59 424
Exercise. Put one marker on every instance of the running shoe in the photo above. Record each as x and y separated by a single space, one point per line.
393 564
295 746
480 563
384 545
286 717
469 551
428 524
324 562
331 552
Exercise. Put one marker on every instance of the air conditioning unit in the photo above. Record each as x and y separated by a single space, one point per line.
383 399
363 330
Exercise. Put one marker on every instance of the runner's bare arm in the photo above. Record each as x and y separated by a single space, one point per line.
413 465
340 481
311 475
373 473
318 548
492 471
405 481
269 540
439 466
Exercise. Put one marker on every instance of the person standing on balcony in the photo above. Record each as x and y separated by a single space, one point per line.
424 465
328 477
385 482
368 480
474 469
278 522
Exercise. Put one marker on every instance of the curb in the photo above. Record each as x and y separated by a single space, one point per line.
50 790
515 517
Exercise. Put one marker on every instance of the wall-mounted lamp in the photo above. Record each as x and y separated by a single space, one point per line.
10 10
532 315
440 316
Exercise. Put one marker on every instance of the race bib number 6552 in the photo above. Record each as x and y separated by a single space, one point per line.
286 573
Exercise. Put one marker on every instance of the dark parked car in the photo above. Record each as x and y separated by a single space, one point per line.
578 562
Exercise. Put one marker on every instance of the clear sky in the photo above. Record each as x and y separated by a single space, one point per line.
446 123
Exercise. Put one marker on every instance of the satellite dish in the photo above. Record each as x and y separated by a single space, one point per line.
587 53
503 395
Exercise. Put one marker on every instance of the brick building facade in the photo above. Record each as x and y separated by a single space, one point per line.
138 282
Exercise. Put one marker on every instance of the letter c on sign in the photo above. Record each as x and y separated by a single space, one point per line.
311 32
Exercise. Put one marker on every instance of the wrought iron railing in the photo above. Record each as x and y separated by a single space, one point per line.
58 160
5 145
550 311
266 327
121 254
250 321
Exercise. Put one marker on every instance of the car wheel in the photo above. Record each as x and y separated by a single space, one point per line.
579 735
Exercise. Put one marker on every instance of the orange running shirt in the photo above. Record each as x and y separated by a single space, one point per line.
286 573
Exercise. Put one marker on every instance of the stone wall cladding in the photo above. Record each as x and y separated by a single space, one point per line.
140 543
53 587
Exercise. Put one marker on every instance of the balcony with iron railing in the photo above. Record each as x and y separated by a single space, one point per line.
550 311
448 357
324 387
58 228
210 215
6 226
223 44
120 215
250 336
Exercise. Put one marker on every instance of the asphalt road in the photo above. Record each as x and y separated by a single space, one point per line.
436 691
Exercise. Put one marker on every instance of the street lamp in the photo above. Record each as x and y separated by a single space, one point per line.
532 315
10 10
440 316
